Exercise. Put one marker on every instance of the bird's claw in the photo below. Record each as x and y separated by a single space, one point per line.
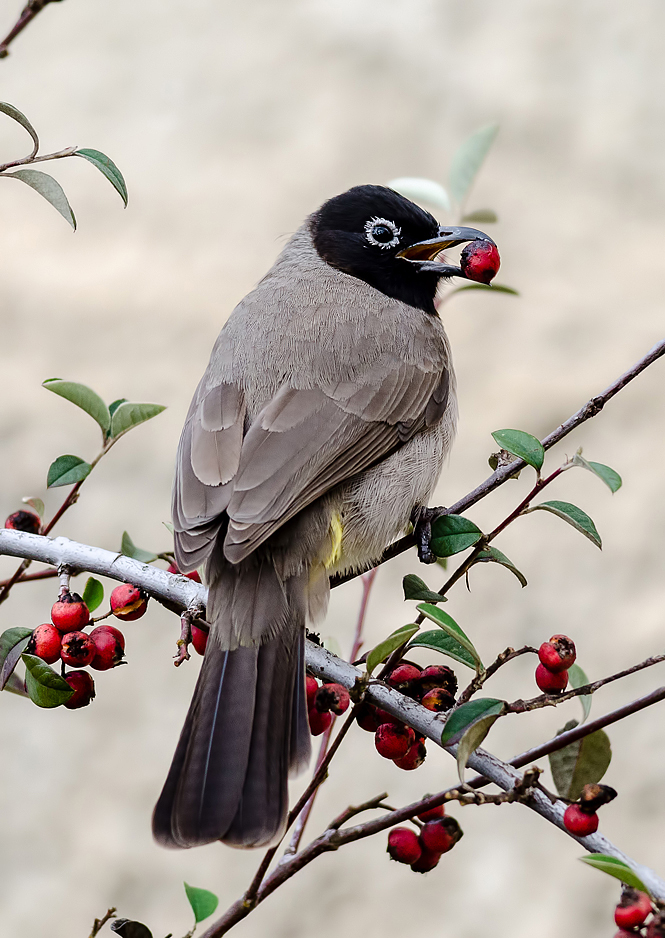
421 519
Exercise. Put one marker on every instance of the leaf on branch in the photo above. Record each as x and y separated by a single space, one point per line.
492 287
452 534
521 444
93 594
583 762
16 685
35 503
385 648
129 549
448 624
422 190
107 168
615 867
611 478
465 716
492 555
128 415
415 588
468 159
474 736
66 470
481 214
202 901
84 397
21 119
13 643
445 644
577 678
45 688
48 187
575 517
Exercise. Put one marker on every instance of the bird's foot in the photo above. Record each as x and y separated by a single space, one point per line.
421 519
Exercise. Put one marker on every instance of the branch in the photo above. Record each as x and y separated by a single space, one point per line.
29 12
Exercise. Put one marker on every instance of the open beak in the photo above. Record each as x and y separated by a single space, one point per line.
423 253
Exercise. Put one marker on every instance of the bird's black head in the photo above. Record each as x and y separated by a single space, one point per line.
377 235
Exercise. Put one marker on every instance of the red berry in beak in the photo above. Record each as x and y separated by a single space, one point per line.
441 835
26 521
78 649
427 862
558 654
403 845
192 575
414 758
332 697
45 643
199 640
480 261
109 649
393 742
319 722
70 613
550 682
579 823
633 908
438 700
128 602
84 689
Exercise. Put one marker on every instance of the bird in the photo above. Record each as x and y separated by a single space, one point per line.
314 438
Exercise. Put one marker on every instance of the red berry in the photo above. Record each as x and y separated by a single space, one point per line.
433 813
70 613
438 699
366 718
26 521
319 722
480 261
128 602
45 643
558 654
550 682
333 697
579 823
383 716
192 575
109 649
633 908
78 649
427 862
199 640
440 835
438 675
414 757
311 687
393 742
404 678
403 845
112 629
84 689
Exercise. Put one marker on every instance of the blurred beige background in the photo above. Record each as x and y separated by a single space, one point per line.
231 122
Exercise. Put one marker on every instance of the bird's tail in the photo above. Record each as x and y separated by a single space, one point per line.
246 726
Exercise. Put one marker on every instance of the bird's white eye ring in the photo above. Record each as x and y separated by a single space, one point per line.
382 233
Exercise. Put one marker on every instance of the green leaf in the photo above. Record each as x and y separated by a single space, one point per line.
35 503
13 643
474 736
16 685
202 901
492 555
448 624
468 159
493 287
84 397
465 716
128 415
45 687
385 648
93 594
521 444
577 518
445 644
577 678
67 470
481 214
114 406
453 533
108 168
611 478
617 868
129 549
169 527
21 119
415 588
583 762
422 190
48 187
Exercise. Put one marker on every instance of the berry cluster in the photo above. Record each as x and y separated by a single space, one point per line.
322 702
556 656
580 818
434 687
423 850
632 912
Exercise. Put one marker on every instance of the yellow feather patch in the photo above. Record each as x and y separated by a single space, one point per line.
336 534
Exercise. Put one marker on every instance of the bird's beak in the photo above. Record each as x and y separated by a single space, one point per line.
447 237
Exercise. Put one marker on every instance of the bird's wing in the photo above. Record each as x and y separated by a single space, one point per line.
305 442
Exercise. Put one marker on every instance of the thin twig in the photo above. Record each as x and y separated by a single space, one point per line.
508 655
42 575
29 12
100 922
59 155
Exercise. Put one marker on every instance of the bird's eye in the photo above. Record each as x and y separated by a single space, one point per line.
382 233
